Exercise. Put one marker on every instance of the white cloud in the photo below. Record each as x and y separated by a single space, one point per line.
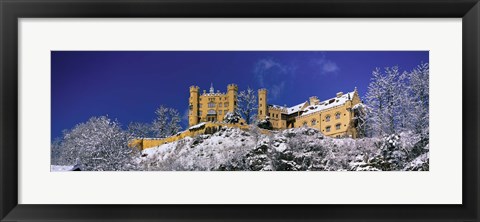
325 66
267 68
272 75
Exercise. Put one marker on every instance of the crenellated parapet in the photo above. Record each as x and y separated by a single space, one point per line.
194 88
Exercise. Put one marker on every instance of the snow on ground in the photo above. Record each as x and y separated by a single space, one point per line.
291 149
59 168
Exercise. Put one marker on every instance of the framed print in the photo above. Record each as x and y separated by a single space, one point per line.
229 110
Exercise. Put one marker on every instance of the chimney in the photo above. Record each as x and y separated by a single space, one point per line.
314 100
339 94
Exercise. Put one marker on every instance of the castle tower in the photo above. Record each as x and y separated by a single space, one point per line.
232 91
262 104
193 106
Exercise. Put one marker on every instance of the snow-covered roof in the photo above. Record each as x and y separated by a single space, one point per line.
296 108
197 126
327 104
283 108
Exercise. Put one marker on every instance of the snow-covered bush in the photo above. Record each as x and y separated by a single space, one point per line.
421 163
232 117
265 123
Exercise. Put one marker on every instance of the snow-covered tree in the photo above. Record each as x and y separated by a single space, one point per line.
56 152
359 119
247 104
419 86
98 144
137 129
167 122
398 102
378 118
389 102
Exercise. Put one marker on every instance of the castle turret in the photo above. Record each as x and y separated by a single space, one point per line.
193 106
262 104
232 91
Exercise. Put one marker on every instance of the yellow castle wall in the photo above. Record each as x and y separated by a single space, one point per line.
276 119
145 143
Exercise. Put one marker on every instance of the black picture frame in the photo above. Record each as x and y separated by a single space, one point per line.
12 10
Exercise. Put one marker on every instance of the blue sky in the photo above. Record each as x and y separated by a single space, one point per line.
130 85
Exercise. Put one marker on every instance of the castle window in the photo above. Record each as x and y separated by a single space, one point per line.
305 123
220 105
225 104
327 118
337 115
337 127
327 128
200 105
276 115
200 113
220 112
211 105
260 112
225 111
314 122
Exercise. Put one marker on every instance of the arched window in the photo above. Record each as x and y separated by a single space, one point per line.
327 118
314 122
337 115
337 127
211 112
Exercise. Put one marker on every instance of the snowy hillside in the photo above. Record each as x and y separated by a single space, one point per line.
288 150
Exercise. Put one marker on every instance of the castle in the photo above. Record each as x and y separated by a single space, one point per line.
333 117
